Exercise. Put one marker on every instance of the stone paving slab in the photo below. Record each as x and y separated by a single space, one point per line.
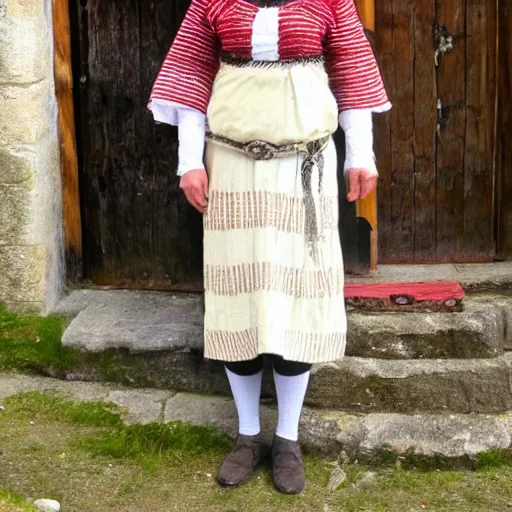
453 438
144 405
11 384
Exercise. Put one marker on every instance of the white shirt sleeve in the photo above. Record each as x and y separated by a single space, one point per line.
358 127
191 136
191 132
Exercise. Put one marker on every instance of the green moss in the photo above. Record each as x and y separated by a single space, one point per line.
494 459
32 344
28 343
13 502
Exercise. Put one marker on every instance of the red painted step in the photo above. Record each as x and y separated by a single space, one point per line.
431 296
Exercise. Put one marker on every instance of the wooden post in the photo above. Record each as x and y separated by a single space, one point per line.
367 208
68 153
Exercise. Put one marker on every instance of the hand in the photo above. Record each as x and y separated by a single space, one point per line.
195 186
360 183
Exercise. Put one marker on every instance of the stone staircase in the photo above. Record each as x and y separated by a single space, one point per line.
411 382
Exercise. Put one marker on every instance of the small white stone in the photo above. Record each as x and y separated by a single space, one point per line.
47 505
2 408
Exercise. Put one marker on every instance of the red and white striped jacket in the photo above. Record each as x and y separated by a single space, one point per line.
307 28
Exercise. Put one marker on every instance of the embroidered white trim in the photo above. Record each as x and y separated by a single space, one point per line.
265 34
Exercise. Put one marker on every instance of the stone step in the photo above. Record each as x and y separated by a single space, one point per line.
477 332
156 339
354 384
142 322
441 439
463 386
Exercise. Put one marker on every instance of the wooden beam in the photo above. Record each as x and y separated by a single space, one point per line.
68 152
367 208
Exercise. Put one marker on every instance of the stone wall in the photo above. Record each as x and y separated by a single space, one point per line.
31 268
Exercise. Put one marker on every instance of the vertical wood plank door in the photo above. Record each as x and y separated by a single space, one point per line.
138 230
436 148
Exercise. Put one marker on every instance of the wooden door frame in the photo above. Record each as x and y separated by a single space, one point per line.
367 208
63 71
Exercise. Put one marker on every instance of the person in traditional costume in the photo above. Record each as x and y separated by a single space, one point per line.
265 84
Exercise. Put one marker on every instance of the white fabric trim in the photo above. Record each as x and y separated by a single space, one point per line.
358 127
265 34
191 132
165 111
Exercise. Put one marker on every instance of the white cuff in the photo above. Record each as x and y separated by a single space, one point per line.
358 127
191 132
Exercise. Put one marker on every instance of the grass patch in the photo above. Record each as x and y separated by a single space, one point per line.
53 408
147 444
81 455
13 502
173 441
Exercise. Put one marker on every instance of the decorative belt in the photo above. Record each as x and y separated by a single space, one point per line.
313 156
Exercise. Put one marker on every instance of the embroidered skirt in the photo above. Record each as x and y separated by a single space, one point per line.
265 290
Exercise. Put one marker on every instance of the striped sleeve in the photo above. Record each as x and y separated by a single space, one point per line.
354 76
188 71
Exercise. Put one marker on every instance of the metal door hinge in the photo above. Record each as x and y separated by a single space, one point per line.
439 116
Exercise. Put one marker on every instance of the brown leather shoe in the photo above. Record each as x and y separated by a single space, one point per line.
288 469
239 465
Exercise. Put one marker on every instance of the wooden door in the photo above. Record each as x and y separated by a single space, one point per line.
138 230
436 147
